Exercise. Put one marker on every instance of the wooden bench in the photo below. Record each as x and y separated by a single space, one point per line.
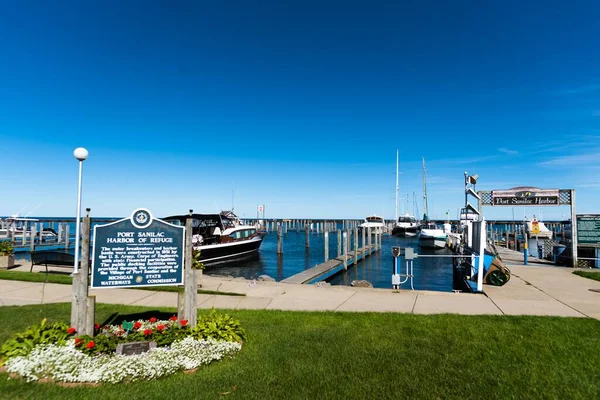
52 257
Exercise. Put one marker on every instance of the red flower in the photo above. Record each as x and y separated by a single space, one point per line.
183 322
160 328
96 326
71 331
173 318
153 320
90 345
78 341
147 332
137 325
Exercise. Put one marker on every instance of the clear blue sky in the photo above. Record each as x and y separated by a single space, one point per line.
298 106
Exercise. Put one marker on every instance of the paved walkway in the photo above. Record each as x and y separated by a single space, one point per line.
531 291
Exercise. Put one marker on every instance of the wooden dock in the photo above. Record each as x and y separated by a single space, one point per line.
331 267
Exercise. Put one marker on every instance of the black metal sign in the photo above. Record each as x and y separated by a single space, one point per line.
525 196
137 251
588 229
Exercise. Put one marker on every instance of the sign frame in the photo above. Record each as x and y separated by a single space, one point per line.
582 241
141 218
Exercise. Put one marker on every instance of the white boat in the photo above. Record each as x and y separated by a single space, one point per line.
16 227
543 233
375 222
406 225
434 237
431 235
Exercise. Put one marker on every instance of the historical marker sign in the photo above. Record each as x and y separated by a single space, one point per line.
588 229
525 196
137 251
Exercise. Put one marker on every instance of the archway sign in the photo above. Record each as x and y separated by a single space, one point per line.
531 196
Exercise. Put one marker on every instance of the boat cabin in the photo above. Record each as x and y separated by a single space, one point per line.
214 228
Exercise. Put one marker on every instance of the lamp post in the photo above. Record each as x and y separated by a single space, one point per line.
81 154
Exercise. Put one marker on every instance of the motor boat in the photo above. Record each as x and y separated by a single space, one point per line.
16 227
220 237
432 236
376 223
406 225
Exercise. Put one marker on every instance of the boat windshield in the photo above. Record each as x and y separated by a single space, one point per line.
407 219
375 219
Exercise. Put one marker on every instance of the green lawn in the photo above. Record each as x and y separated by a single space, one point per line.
315 355
589 274
65 279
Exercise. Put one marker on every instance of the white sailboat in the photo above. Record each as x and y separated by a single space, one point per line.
405 225
431 235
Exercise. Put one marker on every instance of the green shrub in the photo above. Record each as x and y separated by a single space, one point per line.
6 248
22 343
219 327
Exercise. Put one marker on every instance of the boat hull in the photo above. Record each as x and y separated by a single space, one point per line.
215 253
432 242
405 231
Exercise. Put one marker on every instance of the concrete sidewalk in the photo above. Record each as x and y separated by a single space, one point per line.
531 291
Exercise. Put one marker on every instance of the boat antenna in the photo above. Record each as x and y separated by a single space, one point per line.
397 188
30 212
20 211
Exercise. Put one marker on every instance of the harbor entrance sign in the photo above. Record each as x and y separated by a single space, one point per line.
525 196
532 196
137 251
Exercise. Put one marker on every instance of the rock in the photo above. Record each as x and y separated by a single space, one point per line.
265 278
361 283
322 283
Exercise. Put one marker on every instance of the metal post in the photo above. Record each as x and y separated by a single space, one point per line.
574 229
355 245
482 242
326 246
345 251
525 246
77 221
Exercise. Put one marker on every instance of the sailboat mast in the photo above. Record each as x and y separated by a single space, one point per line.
397 188
424 193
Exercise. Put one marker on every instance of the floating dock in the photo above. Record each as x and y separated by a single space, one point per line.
331 267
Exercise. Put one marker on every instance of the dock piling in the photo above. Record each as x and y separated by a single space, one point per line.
339 242
279 244
326 250
306 231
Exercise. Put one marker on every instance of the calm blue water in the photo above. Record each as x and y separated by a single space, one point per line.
430 273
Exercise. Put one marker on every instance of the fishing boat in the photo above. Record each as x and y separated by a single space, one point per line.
220 237
15 226
375 222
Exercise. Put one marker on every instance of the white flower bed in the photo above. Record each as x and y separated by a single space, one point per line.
67 364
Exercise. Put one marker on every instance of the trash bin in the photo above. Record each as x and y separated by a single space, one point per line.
557 250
